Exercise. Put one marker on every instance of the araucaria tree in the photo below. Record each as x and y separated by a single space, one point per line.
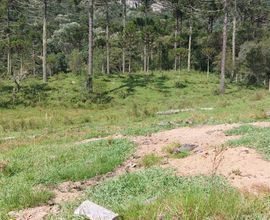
224 47
89 82
45 37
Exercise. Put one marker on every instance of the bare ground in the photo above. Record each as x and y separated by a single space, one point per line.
244 168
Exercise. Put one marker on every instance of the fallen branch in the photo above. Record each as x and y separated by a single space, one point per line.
177 111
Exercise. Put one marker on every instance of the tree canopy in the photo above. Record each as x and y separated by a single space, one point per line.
47 37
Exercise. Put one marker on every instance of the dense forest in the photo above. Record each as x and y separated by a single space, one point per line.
42 38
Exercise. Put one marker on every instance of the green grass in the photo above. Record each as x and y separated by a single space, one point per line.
38 129
30 170
154 193
254 137
126 104
150 160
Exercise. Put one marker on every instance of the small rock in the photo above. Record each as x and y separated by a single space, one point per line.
132 165
51 203
55 209
93 211
150 201
246 151
12 214
267 114
185 148
169 112
136 157
165 162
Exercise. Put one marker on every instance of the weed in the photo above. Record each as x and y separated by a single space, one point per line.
217 159
150 160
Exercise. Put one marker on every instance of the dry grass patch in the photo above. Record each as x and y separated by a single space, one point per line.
150 160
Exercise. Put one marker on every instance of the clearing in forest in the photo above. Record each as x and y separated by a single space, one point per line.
121 153
210 155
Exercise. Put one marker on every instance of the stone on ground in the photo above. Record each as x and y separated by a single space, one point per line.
93 211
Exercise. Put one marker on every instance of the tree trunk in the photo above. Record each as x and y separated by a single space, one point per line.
176 33
34 61
44 38
234 42
21 66
208 66
89 83
148 62
180 32
8 60
145 49
210 24
129 65
224 48
107 38
102 67
124 32
144 57
189 45
8 41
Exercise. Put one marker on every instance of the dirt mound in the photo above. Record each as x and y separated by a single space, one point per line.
243 167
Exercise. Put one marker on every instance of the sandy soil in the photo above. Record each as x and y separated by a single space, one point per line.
244 168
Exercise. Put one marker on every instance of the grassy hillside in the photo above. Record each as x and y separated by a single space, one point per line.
40 128
122 102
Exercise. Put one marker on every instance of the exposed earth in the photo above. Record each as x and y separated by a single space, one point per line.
243 167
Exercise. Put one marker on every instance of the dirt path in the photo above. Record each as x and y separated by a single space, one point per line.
243 167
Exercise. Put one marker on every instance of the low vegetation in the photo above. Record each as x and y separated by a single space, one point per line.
30 170
254 137
150 160
63 107
156 193
41 139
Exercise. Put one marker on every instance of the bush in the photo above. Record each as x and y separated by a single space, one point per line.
75 61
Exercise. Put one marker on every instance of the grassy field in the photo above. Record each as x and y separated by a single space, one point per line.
39 131
126 103
31 170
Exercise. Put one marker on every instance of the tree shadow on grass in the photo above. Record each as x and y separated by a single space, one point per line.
130 83
28 95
